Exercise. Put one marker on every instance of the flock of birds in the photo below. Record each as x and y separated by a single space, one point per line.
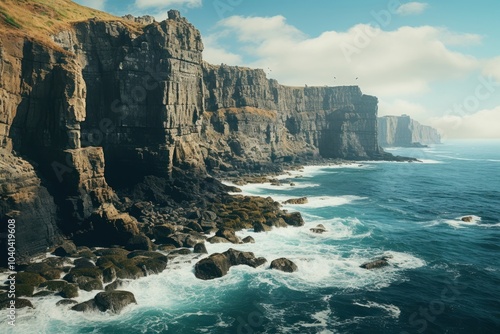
334 78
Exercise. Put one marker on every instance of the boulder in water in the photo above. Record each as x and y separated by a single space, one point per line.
318 229
214 266
114 301
377 263
467 219
301 200
284 264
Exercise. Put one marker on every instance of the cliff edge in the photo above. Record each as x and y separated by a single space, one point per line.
93 104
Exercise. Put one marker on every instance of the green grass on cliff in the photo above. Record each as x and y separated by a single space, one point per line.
9 20
38 19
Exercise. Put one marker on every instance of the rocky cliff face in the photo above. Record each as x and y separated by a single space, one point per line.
108 103
405 132
144 93
251 119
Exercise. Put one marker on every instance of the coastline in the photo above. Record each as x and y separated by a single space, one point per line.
283 216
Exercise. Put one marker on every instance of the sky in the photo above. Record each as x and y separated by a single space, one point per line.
437 61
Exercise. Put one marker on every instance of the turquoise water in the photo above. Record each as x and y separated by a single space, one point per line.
444 274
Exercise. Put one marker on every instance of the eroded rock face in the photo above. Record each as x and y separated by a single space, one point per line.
251 119
24 199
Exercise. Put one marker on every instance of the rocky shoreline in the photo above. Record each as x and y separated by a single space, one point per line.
166 230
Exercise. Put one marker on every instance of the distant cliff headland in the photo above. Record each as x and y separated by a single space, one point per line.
103 120
403 131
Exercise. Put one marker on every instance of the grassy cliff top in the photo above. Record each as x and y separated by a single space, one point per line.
38 19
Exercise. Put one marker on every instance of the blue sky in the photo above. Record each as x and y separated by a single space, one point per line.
438 61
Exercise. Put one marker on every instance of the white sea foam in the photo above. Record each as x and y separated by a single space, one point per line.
315 202
456 158
459 223
430 161
314 170
392 310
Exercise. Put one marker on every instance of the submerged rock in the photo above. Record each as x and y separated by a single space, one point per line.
377 263
248 240
284 264
65 302
293 219
87 306
301 200
467 219
318 229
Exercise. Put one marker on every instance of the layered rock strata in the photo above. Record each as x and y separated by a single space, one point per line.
254 120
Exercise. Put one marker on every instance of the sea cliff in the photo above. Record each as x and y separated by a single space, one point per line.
97 113
405 132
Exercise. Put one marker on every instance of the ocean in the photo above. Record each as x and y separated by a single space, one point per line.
443 276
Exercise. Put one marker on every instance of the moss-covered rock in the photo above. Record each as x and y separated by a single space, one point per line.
116 285
109 274
52 274
91 285
84 263
69 291
129 271
76 273
110 260
44 293
293 219
66 302
28 278
259 227
55 286
87 306
114 301
111 251
24 290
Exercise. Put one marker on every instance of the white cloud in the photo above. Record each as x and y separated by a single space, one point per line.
481 125
214 54
492 68
387 63
399 107
455 39
97 4
410 69
166 3
412 8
